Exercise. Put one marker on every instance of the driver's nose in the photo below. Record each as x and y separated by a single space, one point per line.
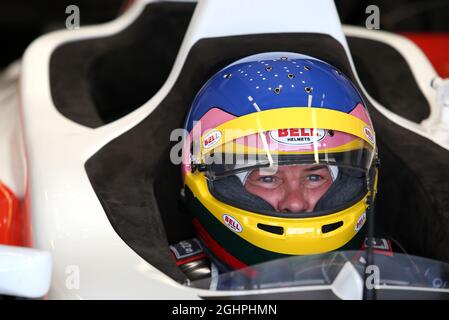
294 201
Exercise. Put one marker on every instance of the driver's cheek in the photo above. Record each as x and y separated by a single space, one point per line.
314 195
274 196
270 195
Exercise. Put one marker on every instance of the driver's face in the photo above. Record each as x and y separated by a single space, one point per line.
292 188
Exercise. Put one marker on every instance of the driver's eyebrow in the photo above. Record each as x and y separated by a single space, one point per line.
314 168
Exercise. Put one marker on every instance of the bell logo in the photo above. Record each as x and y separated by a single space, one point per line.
211 139
232 223
369 134
360 222
298 136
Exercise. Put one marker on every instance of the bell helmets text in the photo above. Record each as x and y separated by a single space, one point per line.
232 223
298 136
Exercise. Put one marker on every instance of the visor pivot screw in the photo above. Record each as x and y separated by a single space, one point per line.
331 132
368 201
308 89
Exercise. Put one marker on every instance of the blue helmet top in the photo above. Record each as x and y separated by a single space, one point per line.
274 80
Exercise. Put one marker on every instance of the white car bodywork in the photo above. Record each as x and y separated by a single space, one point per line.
24 272
90 261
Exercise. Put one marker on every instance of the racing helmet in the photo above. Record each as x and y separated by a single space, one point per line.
279 160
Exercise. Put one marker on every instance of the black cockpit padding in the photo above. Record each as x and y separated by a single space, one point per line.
387 78
96 81
350 184
413 199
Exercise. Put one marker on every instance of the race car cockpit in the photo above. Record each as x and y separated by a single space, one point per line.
124 85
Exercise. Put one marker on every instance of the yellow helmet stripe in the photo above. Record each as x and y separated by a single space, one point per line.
298 117
352 145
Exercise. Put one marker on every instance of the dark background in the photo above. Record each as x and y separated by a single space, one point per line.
399 15
21 21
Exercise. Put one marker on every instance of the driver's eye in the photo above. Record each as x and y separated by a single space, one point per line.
314 177
267 179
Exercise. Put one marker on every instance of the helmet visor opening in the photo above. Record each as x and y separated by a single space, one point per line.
220 165
308 181
293 190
